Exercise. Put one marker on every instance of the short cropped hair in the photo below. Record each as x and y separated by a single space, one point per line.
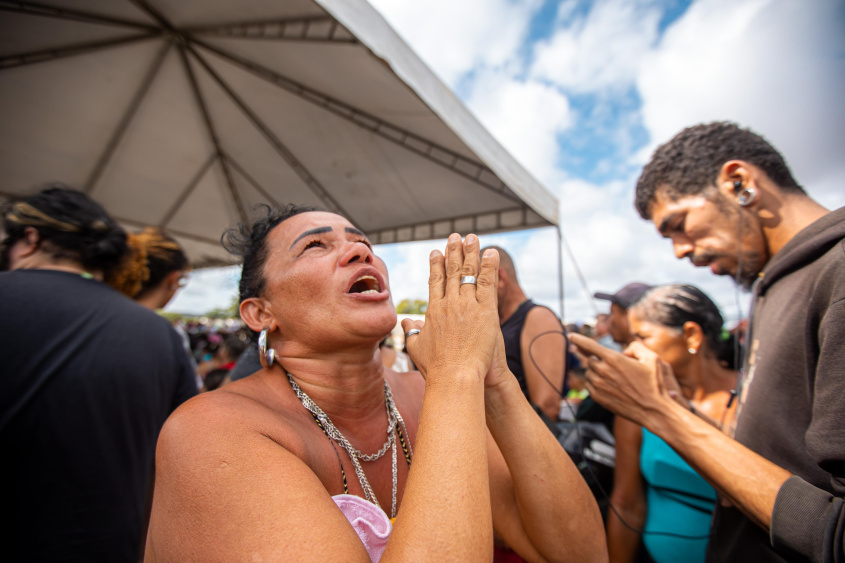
505 261
690 162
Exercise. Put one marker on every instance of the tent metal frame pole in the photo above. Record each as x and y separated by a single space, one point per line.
250 180
188 236
44 55
313 184
155 14
277 30
193 183
38 9
212 132
580 275
560 271
438 154
124 122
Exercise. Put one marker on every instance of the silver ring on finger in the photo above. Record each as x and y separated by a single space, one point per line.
412 332
469 279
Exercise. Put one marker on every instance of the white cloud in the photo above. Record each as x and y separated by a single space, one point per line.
775 66
206 290
601 49
454 37
525 117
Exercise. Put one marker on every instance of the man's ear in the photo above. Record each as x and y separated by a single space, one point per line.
734 176
257 314
503 278
693 335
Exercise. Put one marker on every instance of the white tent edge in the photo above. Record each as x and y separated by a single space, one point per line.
370 27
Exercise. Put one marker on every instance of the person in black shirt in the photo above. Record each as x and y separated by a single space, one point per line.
88 378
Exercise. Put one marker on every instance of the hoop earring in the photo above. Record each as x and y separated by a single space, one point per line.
747 196
268 355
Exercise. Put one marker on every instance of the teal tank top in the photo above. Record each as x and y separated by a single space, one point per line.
679 502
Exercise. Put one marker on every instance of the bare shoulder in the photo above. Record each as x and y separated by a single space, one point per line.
235 474
238 408
540 318
541 323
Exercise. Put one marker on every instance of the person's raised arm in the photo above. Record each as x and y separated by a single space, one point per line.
543 350
447 498
632 387
543 508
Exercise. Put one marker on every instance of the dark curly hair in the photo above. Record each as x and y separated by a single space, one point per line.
690 163
675 304
248 241
70 225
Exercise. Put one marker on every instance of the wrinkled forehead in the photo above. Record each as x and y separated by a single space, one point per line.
288 231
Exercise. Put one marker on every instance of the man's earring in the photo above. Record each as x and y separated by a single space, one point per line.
268 355
747 196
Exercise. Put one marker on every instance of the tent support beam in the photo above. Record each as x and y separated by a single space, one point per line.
277 144
578 273
187 191
181 234
153 13
33 57
259 188
442 228
560 270
37 9
457 163
314 28
123 124
212 132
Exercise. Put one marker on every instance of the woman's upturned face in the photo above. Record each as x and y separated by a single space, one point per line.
324 282
668 343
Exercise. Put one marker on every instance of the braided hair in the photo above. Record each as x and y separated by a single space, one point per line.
674 305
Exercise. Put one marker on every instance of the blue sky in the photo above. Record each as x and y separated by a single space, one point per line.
581 92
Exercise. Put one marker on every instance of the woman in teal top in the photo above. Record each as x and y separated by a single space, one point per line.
679 502
655 491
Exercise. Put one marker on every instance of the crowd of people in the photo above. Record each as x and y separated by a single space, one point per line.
656 434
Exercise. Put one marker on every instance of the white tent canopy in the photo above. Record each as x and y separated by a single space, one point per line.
185 115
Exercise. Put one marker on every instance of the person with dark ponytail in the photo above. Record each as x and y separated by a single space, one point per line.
89 376
655 492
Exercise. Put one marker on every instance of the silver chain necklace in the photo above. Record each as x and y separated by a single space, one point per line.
393 418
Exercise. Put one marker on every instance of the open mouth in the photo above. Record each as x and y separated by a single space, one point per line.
365 285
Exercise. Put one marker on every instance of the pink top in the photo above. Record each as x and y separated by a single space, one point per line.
369 521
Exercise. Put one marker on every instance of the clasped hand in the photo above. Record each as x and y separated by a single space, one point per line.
460 336
634 384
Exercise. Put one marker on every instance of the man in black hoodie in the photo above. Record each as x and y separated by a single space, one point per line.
726 199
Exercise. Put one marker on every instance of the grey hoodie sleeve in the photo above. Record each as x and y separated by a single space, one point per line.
807 519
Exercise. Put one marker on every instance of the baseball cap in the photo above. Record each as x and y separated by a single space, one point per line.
626 296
